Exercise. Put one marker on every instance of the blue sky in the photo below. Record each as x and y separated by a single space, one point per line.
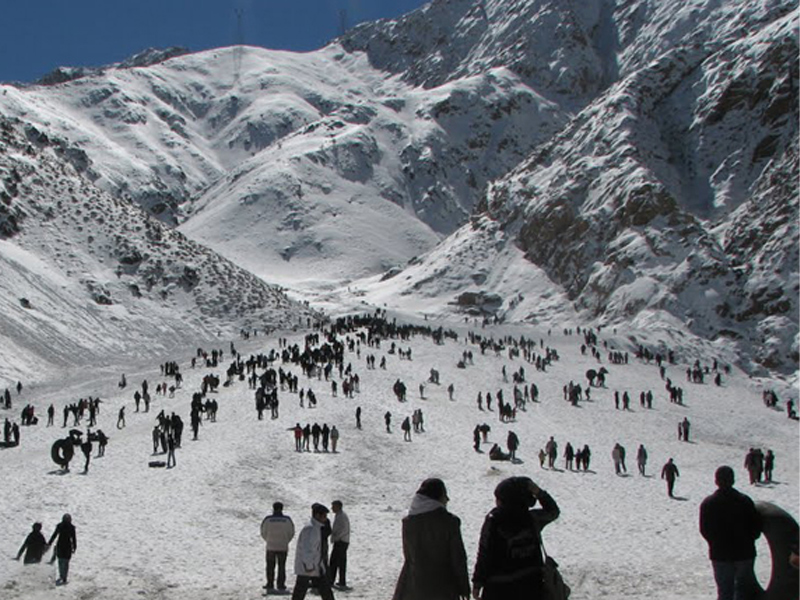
39 35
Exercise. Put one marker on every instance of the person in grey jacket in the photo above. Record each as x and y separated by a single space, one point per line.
311 556
435 566
277 530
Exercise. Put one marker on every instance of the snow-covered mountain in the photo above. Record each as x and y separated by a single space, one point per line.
612 162
673 193
88 279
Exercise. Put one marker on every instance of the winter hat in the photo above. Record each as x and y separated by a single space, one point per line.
515 492
433 488
319 509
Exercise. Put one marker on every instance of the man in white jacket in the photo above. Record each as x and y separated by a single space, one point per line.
277 530
340 536
311 556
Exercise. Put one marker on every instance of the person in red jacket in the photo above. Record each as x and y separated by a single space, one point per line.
730 524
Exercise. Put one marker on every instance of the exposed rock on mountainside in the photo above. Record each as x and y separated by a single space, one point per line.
146 58
100 274
673 191
550 46
640 155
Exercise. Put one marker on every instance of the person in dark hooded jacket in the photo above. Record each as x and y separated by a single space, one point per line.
509 563
435 566
65 547
33 546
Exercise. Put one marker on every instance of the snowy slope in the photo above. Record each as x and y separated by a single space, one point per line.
88 279
193 531
290 146
669 200
594 161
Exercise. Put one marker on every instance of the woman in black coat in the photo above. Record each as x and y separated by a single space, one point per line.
509 564
435 566
65 546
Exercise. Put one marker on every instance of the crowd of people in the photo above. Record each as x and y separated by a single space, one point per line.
326 353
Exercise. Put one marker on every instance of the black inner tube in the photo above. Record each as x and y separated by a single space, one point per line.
62 452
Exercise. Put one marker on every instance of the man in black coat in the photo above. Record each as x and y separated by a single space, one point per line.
670 473
730 524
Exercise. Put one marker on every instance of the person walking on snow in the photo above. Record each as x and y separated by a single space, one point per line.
34 545
641 459
670 473
66 546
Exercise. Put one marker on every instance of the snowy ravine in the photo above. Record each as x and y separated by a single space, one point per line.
192 532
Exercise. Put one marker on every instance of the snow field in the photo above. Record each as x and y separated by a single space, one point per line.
193 531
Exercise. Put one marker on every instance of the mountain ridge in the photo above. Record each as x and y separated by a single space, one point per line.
621 148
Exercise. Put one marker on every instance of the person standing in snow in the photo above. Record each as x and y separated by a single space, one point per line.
334 438
509 563
587 457
406 427
171 450
435 565
311 556
769 465
512 443
569 456
277 530
297 431
340 536
670 473
552 452
730 523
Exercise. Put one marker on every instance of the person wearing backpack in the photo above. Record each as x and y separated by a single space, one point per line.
510 561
